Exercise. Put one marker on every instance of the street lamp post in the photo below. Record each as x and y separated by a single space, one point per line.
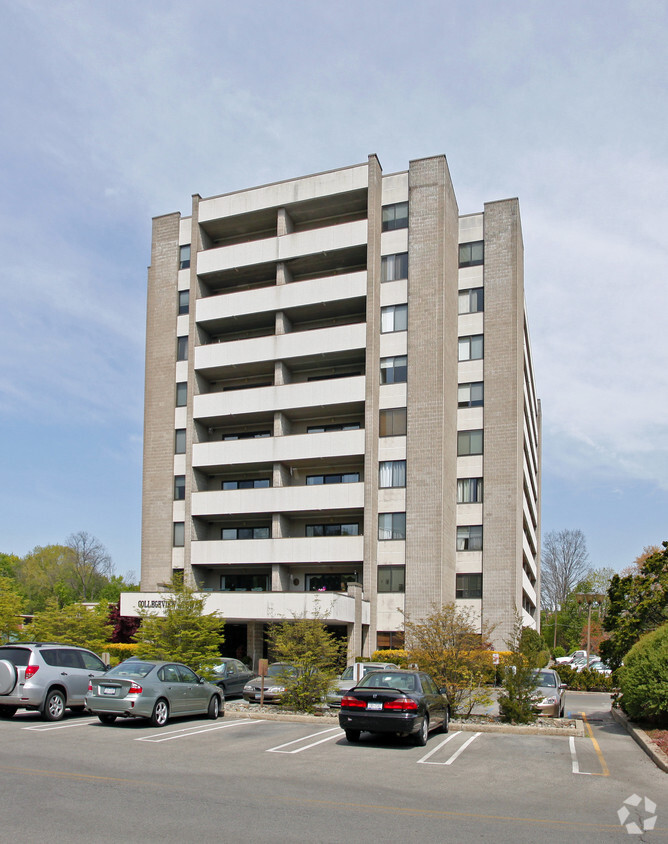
589 598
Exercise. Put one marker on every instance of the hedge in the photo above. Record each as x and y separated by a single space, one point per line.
118 651
643 679
587 680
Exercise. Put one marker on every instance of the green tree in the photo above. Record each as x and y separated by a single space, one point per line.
8 565
11 607
42 576
74 624
644 678
520 682
638 604
307 644
533 647
449 645
185 633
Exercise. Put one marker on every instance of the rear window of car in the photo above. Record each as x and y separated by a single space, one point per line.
17 656
132 668
385 680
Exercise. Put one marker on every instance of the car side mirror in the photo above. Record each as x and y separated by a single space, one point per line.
563 686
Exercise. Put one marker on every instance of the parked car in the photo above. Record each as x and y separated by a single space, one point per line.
571 656
581 663
601 667
347 679
549 697
152 689
274 683
45 676
231 675
395 701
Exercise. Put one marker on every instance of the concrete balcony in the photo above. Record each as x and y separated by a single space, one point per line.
290 449
285 248
339 607
291 499
327 393
292 550
282 297
216 358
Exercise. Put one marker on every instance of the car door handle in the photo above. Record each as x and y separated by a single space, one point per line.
63 673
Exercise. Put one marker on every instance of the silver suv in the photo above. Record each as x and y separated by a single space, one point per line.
44 676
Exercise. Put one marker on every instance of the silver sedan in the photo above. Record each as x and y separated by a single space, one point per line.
152 689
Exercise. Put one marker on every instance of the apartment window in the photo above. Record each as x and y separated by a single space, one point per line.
247 435
180 441
469 442
471 348
389 640
184 301
260 532
184 257
471 254
394 267
339 426
343 478
470 395
246 483
244 583
391 578
469 490
179 488
329 582
393 422
393 318
393 370
182 348
468 586
392 473
349 529
391 526
395 217
469 538
179 539
471 301
181 394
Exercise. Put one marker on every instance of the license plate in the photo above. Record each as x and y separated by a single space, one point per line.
374 706
258 697
107 690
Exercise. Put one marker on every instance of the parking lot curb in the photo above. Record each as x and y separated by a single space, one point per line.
576 729
654 752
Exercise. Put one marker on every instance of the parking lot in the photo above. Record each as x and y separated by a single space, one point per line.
78 780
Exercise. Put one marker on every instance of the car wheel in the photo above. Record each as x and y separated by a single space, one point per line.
54 706
353 735
7 711
214 707
423 735
160 714
105 718
445 726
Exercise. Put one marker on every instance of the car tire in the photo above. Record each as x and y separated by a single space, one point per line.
8 676
53 708
353 735
8 711
422 736
160 714
214 707
106 718
445 725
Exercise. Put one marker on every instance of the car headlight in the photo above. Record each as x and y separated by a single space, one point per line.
274 690
248 688
546 701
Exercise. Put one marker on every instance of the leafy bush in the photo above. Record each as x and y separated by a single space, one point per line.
520 680
586 680
644 678
558 652
119 651
397 656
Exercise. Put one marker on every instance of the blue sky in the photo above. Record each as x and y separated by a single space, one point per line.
116 112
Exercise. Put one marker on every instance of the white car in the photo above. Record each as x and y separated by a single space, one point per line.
572 657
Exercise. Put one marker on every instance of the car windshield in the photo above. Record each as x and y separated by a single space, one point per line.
388 680
131 668
545 678
280 668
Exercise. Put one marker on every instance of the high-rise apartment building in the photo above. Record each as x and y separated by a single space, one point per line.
340 411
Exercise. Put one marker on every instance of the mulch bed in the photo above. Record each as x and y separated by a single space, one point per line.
659 737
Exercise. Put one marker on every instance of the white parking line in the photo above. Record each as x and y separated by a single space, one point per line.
454 756
42 728
337 734
574 757
186 732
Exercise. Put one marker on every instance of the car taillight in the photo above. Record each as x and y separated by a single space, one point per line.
352 703
90 686
135 689
401 704
31 670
